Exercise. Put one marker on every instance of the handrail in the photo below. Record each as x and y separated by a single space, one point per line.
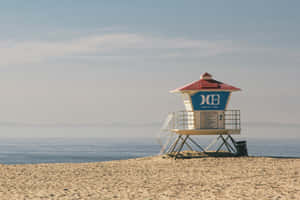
195 120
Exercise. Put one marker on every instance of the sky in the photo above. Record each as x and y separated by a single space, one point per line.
82 63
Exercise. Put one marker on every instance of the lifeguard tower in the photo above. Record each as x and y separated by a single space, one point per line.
205 113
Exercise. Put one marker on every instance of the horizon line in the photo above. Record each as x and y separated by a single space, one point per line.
124 124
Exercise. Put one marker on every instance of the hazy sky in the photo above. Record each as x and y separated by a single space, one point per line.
102 62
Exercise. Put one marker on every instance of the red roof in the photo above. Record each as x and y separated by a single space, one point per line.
206 83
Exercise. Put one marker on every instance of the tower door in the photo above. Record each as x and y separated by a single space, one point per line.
209 120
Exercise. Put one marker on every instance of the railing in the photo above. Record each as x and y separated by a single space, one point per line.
195 120
232 119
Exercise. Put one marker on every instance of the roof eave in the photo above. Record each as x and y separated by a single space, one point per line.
175 91
187 91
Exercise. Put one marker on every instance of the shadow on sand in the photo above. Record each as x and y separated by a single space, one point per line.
195 154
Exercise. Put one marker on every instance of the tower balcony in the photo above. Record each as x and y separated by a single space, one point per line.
204 122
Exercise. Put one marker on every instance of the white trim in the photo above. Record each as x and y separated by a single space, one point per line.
228 101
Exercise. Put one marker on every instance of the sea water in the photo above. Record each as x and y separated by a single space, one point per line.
63 148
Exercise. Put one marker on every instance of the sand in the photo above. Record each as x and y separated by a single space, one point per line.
155 178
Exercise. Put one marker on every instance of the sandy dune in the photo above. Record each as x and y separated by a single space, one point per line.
155 178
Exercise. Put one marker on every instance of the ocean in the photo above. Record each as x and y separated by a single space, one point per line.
68 149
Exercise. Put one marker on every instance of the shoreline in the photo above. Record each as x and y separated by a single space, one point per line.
155 177
164 156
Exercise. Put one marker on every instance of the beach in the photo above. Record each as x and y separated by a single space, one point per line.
155 177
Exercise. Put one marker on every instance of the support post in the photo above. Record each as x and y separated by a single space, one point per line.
225 142
187 144
195 143
174 145
182 144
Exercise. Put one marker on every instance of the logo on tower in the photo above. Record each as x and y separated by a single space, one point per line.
210 100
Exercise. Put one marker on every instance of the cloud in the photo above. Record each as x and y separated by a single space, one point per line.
109 46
